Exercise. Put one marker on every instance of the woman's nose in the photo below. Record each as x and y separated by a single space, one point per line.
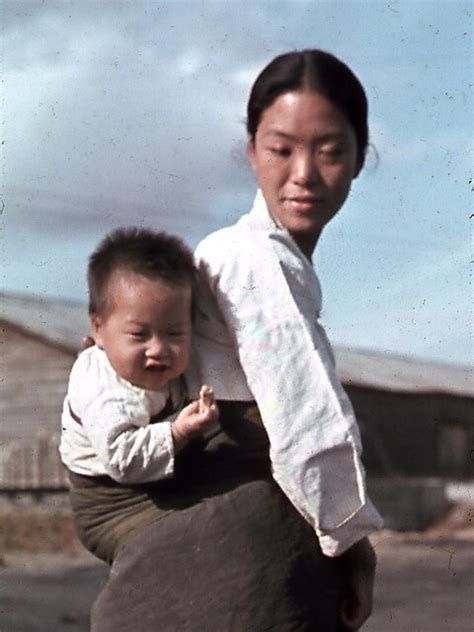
304 170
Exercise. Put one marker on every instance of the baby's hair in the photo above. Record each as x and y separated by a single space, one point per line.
152 254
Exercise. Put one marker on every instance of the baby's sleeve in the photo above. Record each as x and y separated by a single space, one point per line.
116 420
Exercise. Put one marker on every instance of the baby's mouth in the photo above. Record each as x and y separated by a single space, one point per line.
157 368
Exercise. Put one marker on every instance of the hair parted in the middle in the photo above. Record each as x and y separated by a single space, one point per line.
318 71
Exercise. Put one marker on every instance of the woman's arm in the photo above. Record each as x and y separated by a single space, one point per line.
259 286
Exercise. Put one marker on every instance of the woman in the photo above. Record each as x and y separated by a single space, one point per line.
242 555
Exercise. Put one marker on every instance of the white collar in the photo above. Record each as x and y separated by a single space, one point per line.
260 217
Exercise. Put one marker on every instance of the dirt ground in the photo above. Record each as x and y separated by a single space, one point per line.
425 583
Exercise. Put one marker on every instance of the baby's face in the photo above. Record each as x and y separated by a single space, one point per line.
146 333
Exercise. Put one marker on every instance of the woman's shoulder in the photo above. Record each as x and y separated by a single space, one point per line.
232 242
215 240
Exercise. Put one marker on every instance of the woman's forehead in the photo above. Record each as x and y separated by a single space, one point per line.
303 112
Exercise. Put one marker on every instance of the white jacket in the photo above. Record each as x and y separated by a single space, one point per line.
257 336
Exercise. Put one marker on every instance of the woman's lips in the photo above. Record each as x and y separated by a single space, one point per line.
303 204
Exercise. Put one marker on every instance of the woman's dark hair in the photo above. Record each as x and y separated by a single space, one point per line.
155 255
317 71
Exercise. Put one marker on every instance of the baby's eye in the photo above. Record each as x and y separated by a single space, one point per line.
138 335
175 334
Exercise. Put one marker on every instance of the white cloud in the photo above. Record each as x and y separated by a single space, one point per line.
119 112
246 76
399 148
189 63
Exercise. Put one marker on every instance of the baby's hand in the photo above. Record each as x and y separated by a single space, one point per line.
191 420
206 398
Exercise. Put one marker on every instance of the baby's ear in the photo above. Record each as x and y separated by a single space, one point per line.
96 329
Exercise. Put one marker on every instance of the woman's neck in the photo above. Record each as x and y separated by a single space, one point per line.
307 244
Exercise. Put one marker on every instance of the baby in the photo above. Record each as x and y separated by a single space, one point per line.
140 288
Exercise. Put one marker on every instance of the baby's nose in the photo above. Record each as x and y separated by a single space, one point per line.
157 348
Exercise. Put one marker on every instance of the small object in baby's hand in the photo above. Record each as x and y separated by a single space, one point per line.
206 398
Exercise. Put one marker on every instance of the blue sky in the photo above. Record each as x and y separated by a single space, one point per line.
119 113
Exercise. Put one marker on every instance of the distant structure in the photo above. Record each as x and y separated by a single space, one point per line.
416 417
39 339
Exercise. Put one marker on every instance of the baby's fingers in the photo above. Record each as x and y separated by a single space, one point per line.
208 416
211 413
192 408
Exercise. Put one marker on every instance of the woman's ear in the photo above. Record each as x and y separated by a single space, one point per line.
361 159
358 168
251 153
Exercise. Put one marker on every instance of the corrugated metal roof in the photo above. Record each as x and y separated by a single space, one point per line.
64 324
61 323
387 371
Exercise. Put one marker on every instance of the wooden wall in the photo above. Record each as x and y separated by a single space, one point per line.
413 434
429 434
33 382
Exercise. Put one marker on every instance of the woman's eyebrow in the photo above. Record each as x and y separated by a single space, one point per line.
335 135
279 133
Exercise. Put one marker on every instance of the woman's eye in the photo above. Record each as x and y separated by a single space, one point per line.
283 152
332 153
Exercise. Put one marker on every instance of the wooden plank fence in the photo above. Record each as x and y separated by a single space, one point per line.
32 464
